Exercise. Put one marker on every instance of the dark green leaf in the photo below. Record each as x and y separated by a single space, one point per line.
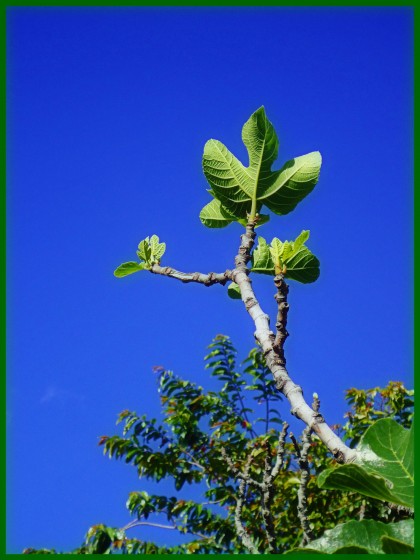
365 534
385 467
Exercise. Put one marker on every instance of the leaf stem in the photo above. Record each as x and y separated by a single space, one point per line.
253 209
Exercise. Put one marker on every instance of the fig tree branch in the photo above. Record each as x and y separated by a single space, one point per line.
267 340
187 277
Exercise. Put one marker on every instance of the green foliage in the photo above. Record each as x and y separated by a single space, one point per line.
241 191
243 418
291 258
365 537
150 251
386 467
393 401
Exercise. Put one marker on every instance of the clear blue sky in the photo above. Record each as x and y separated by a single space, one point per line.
108 113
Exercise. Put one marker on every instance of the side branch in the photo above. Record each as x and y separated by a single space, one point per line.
304 479
186 277
265 488
240 499
267 340
283 309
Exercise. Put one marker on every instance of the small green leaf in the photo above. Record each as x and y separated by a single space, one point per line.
157 249
234 291
145 251
300 264
128 268
276 251
262 261
301 239
288 250
154 242
160 250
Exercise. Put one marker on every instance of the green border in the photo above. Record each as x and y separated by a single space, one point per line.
161 3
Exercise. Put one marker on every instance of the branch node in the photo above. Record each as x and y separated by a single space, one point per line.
338 455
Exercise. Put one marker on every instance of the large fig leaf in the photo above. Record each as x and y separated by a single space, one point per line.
215 215
363 537
384 468
292 258
242 190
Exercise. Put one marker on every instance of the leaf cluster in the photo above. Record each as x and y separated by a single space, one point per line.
150 251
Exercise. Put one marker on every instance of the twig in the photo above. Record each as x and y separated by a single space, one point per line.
186 277
270 473
137 523
266 489
304 479
305 475
283 308
193 462
240 529
238 474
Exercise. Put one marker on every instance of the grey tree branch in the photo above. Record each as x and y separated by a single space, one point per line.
266 338
304 479
186 277
137 523
238 474
266 489
283 308
244 479
270 473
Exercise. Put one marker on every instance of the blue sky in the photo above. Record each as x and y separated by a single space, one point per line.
108 113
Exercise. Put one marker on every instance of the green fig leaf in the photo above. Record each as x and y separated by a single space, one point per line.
128 268
360 536
215 215
303 266
288 251
145 251
276 251
384 469
243 190
292 256
262 261
295 181
234 291
301 239
395 546
157 249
